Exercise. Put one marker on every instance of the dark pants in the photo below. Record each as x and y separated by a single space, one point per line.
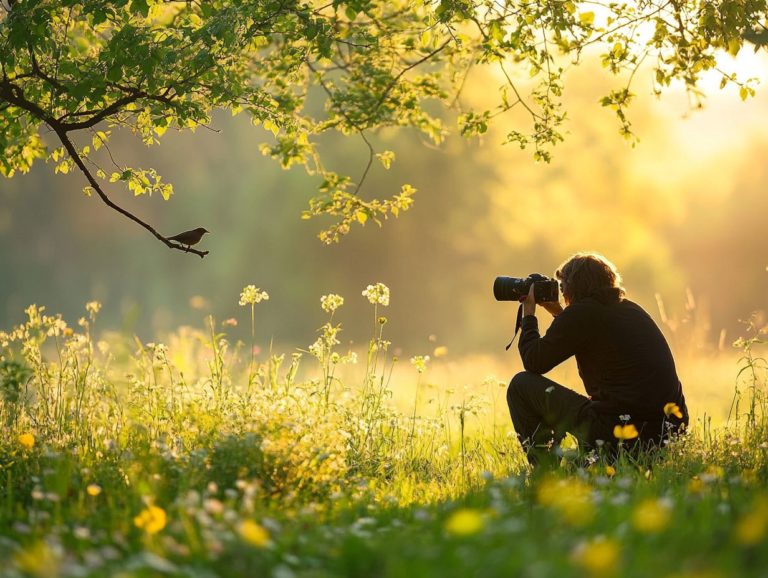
543 411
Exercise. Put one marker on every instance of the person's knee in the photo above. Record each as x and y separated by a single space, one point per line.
517 385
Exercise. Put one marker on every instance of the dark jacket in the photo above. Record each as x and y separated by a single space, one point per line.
623 358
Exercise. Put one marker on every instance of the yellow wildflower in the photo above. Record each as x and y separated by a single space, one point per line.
695 486
625 432
610 471
440 351
151 520
253 533
37 559
569 443
713 473
93 490
420 362
464 522
651 516
600 557
571 497
752 528
673 409
27 441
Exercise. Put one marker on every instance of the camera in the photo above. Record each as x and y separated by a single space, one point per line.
545 289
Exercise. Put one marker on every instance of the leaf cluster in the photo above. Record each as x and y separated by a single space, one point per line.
81 70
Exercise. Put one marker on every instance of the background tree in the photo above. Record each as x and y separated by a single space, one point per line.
80 71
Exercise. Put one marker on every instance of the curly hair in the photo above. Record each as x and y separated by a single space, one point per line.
590 275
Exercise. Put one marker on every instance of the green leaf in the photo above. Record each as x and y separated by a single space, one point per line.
140 6
115 73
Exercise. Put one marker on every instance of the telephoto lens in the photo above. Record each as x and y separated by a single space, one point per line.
510 288
545 289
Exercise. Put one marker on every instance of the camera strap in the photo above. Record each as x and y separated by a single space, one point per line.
518 324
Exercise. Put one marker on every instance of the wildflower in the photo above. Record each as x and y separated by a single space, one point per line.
231 322
93 490
599 557
317 349
651 516
331 302
420 362
610 471
382 320
695 486
569 443
377 294
570 497
712 474
672 409
27 441
253 533
464 522
38 559
440 351
151 520
648 474
625 432
93 307
752 528
252 295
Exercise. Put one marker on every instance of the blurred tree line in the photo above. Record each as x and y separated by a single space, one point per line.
670 217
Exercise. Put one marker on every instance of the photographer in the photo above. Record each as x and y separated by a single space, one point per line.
622 356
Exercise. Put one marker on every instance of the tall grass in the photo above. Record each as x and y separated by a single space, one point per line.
195 457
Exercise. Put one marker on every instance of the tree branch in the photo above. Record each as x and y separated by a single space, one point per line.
62 134
14 95
397 78
99 116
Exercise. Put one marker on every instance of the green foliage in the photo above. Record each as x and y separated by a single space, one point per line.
164 472
148 66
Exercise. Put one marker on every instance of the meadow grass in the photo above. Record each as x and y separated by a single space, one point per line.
195 457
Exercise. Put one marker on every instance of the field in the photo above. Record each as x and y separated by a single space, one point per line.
198 456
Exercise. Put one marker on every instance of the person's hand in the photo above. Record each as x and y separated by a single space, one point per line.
529 303
553 307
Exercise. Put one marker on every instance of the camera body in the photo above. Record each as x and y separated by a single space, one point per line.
545 289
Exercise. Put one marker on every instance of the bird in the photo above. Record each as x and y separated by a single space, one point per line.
189 238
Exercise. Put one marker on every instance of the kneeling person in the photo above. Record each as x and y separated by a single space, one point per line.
625 362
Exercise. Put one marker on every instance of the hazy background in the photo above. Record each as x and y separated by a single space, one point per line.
683 215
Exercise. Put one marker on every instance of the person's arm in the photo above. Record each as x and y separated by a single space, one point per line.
541 354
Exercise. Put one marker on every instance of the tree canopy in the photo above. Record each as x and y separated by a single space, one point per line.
75 72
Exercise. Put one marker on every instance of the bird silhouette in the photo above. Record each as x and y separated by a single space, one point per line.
189 238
